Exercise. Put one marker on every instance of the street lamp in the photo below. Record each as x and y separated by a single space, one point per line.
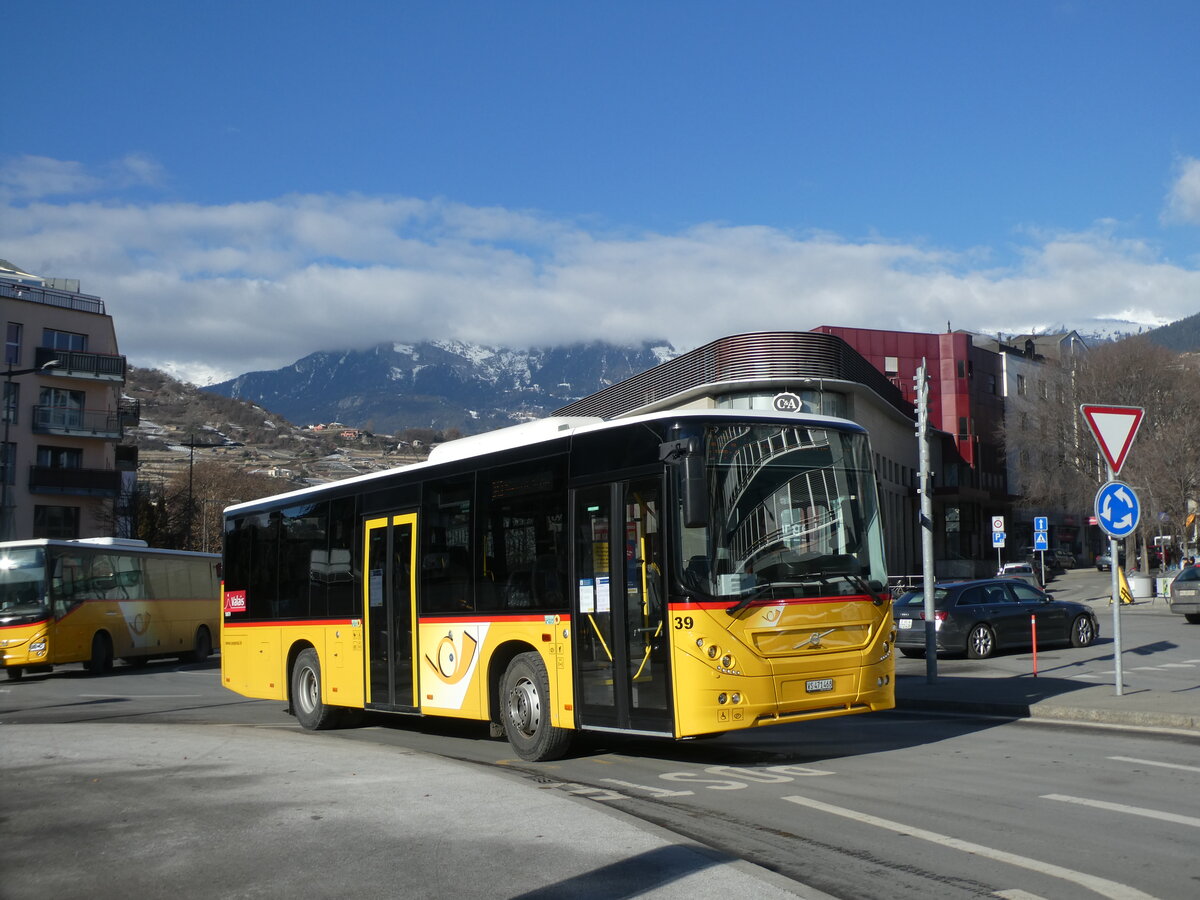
9 375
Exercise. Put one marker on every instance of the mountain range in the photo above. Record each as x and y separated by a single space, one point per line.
439 384
445 385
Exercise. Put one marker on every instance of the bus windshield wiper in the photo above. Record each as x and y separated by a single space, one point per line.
751 595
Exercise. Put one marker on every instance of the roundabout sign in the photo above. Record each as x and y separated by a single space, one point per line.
1117 509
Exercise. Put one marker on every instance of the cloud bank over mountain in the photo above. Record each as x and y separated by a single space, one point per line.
209 291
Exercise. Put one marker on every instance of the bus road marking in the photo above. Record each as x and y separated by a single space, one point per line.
1102 886
1151 762
1131 810
649 789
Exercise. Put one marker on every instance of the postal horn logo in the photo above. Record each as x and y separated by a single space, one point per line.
453 662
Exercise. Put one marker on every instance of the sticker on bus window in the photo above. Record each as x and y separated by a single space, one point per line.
587 596
235 601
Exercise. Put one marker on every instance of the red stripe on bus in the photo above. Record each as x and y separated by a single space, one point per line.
281 623
791 601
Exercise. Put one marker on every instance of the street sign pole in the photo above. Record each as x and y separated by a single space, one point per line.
1114 560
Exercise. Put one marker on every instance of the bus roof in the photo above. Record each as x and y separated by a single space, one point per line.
553 428
121 545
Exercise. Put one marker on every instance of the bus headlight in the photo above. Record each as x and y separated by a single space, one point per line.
713 650
727 661
37 648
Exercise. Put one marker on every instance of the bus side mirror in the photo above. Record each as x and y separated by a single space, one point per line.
693 481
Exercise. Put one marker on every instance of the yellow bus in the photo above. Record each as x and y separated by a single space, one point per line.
674 574
99 599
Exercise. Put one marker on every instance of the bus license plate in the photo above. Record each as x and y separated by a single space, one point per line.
817 685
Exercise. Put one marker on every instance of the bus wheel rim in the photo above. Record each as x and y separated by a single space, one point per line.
525 706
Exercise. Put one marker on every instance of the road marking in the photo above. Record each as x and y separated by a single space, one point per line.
650 789
1151 762
1178 666
1131 810
1101 886
1017 894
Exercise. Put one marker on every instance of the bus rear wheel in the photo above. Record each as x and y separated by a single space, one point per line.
525 710
201 646
102 654
307 706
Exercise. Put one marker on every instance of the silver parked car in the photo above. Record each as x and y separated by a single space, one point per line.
1022 572
1185 594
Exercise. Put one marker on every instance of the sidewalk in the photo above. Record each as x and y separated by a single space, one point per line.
1160 662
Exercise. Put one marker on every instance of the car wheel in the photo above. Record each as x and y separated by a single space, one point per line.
1194 618
1083 631
912 652
981 642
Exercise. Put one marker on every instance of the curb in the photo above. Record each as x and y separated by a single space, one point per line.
1043 712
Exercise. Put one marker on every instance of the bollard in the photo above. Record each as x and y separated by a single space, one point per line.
1033 626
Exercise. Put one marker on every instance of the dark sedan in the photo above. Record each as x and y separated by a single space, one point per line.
980 617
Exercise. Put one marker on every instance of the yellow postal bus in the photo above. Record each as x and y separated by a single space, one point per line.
674 574
98 599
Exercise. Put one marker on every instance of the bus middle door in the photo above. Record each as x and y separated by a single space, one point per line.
390 563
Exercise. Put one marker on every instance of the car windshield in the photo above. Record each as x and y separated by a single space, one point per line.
1191 573
791 513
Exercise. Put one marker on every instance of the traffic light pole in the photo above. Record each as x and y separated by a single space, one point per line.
926 524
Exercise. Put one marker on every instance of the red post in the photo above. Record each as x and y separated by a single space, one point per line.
1033 625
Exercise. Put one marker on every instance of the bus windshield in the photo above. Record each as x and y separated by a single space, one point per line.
791 513
22 585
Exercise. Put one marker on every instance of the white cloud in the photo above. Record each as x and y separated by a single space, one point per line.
1183 200
212 291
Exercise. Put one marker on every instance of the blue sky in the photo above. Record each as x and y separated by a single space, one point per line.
246 182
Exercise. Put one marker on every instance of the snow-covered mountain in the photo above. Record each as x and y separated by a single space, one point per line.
439 384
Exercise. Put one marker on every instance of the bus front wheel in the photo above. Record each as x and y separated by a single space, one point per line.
307 706
15 673
525 710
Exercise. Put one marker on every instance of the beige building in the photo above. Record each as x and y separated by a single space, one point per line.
64 415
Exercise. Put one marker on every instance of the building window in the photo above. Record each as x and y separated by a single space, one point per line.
60 457
1020 385
60 522
991 384
12 402
8 458
891 365
64 340
62 409
12 344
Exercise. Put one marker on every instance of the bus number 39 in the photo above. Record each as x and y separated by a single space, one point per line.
684 622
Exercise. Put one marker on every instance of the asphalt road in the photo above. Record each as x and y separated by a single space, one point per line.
152 768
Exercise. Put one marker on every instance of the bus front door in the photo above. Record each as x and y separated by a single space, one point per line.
390 564
622 656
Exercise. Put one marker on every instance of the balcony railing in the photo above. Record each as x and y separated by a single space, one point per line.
85 482
52 297
129 411
98 423
77 364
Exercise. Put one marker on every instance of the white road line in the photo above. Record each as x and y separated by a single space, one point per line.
1131 810
1101 886
1177 666
1017 894
1151 762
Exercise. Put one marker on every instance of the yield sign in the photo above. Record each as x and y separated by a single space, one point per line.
1114 428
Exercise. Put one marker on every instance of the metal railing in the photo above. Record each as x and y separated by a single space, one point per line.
82 364
59 480
82 422
52 297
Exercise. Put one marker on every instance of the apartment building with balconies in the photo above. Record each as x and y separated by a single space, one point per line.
63 412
